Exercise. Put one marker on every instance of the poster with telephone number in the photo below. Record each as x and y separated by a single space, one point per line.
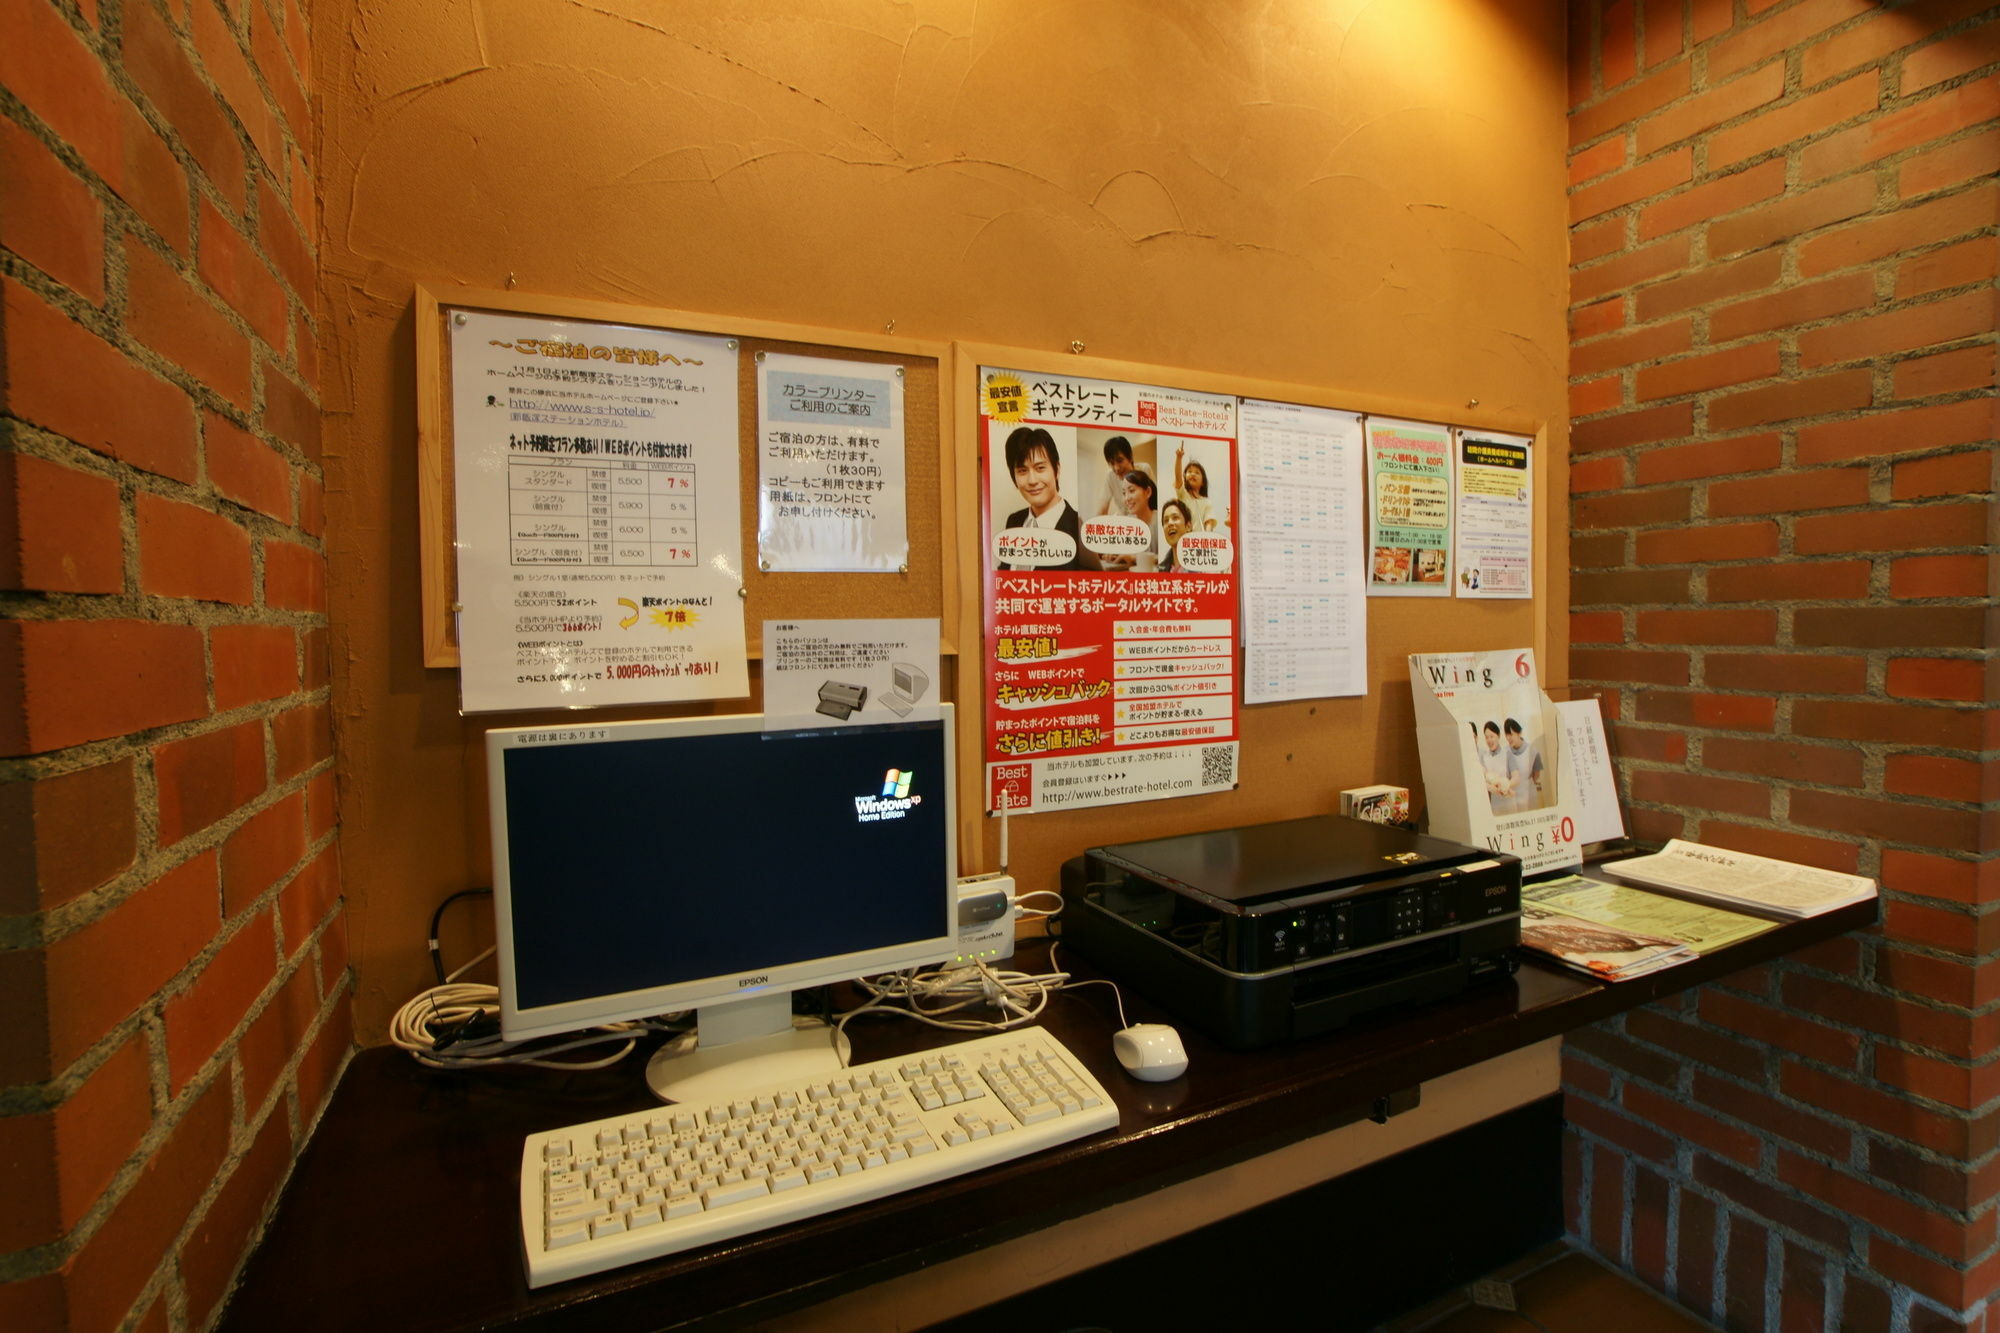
1109 591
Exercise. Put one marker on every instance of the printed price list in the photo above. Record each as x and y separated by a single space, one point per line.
629 513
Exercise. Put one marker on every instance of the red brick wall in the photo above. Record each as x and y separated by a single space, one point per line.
1783 246
174 991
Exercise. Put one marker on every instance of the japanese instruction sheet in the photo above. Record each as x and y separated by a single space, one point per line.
599 539
1496 515
1410 510
1110 591
1305 611
847 673
830 464
1596 789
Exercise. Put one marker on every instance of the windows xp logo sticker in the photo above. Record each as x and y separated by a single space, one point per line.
894 801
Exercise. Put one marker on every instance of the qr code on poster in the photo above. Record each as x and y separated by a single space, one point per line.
1218 766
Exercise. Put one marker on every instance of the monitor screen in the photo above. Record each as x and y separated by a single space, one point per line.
647 867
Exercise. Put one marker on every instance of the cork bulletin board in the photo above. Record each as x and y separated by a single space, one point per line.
1296 756
925 588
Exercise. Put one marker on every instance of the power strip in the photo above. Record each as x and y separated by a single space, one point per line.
985 919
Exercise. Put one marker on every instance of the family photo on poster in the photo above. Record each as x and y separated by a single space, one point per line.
1110 607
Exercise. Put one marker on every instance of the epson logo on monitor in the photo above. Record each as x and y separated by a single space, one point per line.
893 802
745 983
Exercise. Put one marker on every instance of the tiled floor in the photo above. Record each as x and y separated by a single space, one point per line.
1557 1290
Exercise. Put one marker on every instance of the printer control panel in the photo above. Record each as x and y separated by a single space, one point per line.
1301 931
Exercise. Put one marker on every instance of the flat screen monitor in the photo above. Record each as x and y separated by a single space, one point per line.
643 868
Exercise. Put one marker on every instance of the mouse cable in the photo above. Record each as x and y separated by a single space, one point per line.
1116 994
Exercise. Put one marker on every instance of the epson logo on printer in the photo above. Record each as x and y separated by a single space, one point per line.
1495 890
893 802
758 980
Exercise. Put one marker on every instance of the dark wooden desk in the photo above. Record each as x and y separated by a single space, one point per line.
401 1213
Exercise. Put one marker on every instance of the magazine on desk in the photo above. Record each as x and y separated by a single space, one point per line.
1495 763
1703 929
1740 880
1605 952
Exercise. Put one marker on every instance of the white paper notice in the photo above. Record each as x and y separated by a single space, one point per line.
830 464
600 541
1496 515
1589 760
832 673
1305 609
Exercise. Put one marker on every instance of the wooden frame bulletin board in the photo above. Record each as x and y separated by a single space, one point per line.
930 587
1296 756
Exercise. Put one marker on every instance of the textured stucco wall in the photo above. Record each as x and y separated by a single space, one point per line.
1320 191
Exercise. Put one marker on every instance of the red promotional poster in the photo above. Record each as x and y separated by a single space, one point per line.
1110 591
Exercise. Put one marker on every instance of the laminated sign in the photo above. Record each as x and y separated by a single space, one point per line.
1495 770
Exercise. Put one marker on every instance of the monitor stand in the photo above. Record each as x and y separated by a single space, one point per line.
744 1044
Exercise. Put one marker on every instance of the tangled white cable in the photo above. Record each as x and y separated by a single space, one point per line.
421 1025
940 997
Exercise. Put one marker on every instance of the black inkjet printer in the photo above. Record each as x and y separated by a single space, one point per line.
1263 934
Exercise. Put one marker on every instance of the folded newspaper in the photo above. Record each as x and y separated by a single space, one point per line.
1738 879
1602 951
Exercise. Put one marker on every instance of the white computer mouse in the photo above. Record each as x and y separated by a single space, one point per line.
1150 1051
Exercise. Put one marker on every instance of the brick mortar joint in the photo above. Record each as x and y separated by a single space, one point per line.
1697 55
117 208
150 608
1837 1263
107 324
1700 341
47 928
109 49
1680 1181
1853 1168
243 1135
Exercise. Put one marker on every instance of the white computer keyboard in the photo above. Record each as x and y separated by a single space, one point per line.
611 1192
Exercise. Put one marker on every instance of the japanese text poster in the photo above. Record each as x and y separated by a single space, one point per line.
835 673
1110 591
1409 508
830 464
1496 515
1597 815
1305 610
599 536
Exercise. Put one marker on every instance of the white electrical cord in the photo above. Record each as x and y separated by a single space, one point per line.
1116 994
1037 913
417 1026
940 997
